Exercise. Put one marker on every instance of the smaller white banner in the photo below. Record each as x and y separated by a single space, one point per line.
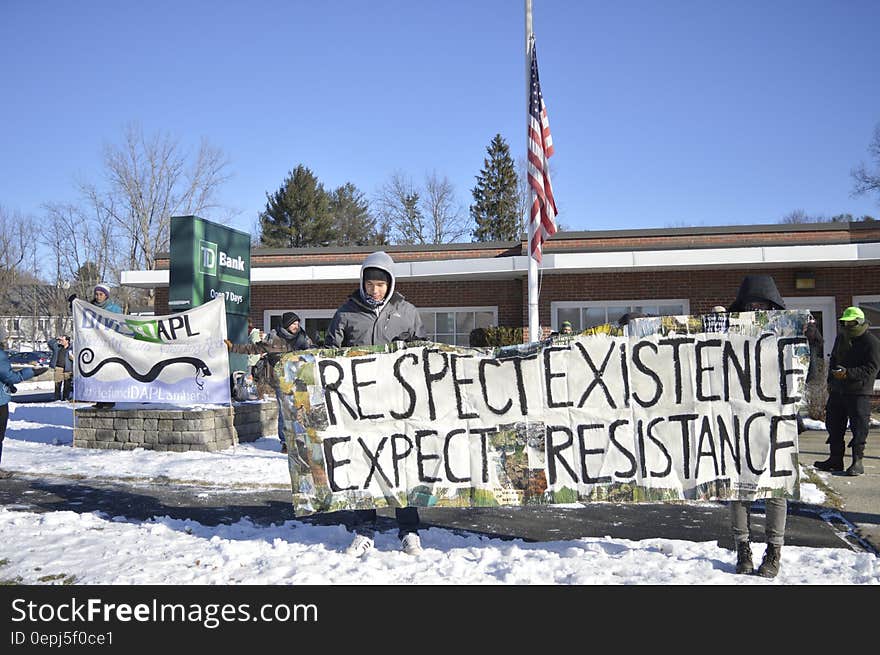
177 358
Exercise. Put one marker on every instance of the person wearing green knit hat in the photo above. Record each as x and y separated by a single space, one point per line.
854 363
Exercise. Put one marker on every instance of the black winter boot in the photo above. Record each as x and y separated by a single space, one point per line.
834 461
744 558
770 564
857 468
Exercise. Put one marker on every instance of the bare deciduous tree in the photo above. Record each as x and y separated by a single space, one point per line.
445 218
397 204
866 181
16 243
149 180
412 215
80 241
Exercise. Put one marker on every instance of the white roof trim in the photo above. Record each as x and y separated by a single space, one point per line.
517 266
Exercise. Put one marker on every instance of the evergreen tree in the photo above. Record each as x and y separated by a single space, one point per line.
496 196
298 214
352 222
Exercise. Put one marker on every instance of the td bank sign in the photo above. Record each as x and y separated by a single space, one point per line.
208 261
212 259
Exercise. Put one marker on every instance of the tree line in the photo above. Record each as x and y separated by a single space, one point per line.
122 220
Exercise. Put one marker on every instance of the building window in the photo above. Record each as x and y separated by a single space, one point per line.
453 325
584 315
43 324
16 324
313 321
871 306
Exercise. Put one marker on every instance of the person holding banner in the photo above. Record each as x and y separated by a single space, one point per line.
855 360
8 380
101 298
289 337
377 314
758 292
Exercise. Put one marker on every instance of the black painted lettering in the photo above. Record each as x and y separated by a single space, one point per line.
706 437
520 383
701 345
406 386
457 383
781 344
549 375
597 374
189 331
398 456
639 364
684 420
357 385
758 375
449 474
332 388
582 442
662 447
554 452
724 438
612 435
374 461
743 370
484 387
421 456
331 463
776 445
624 372
676 343
431 378
484 449
747 442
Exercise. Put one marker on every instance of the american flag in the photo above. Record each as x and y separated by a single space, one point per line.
543 211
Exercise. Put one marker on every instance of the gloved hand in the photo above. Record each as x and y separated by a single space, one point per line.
39 370
12 389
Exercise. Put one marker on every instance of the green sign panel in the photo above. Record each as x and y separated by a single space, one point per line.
209 260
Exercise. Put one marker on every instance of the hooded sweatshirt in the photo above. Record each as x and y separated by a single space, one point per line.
357 323
757 288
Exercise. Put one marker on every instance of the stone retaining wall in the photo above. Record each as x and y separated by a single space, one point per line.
177 430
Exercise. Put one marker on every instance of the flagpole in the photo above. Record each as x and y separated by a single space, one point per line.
534 328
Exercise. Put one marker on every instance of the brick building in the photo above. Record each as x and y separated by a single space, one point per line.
586 277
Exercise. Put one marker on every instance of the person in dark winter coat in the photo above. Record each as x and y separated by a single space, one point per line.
63 372
288 338
855 360
101 298
55 349
377 314
8 380
758 292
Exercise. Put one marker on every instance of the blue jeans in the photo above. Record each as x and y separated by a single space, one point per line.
280 398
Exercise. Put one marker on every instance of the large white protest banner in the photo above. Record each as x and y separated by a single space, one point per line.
176 359
668 408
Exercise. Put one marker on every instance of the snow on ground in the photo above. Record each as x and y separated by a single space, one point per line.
94 548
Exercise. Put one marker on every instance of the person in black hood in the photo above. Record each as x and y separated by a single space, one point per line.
758 292
855 360
289 337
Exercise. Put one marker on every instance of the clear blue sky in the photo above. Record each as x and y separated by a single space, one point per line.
663 113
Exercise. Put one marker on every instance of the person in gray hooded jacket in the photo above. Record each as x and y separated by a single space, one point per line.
377 314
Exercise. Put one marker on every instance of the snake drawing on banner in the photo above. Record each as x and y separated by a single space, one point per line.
87 356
